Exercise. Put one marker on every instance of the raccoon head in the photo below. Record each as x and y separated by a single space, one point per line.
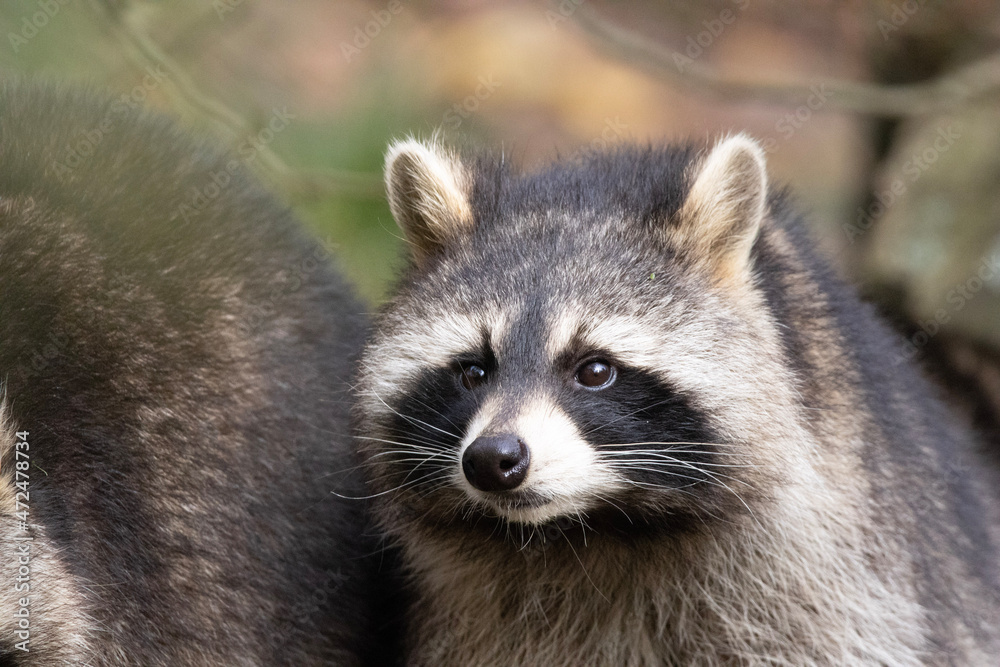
587 342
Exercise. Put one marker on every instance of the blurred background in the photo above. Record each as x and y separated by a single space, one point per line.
883 116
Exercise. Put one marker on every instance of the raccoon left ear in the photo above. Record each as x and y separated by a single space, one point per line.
428 194
720 219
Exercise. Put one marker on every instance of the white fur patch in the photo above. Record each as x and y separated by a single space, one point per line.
563 327
628 339
411 351
564 467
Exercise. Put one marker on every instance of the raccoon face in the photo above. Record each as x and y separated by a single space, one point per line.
560 352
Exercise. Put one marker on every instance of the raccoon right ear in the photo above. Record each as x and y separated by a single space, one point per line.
721 217
428 194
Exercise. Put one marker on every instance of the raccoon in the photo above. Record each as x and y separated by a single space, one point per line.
618 412
175 356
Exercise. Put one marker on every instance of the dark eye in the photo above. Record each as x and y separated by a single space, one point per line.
596 374
472 376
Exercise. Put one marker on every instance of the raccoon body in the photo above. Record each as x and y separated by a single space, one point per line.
618 413
177 369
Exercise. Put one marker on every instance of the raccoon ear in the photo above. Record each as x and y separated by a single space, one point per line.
720 219
428 194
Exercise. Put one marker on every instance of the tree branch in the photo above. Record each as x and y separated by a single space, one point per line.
963 85
185 96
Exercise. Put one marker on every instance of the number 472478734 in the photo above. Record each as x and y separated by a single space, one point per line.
21 464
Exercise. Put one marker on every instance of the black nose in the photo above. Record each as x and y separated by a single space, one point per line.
496 462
